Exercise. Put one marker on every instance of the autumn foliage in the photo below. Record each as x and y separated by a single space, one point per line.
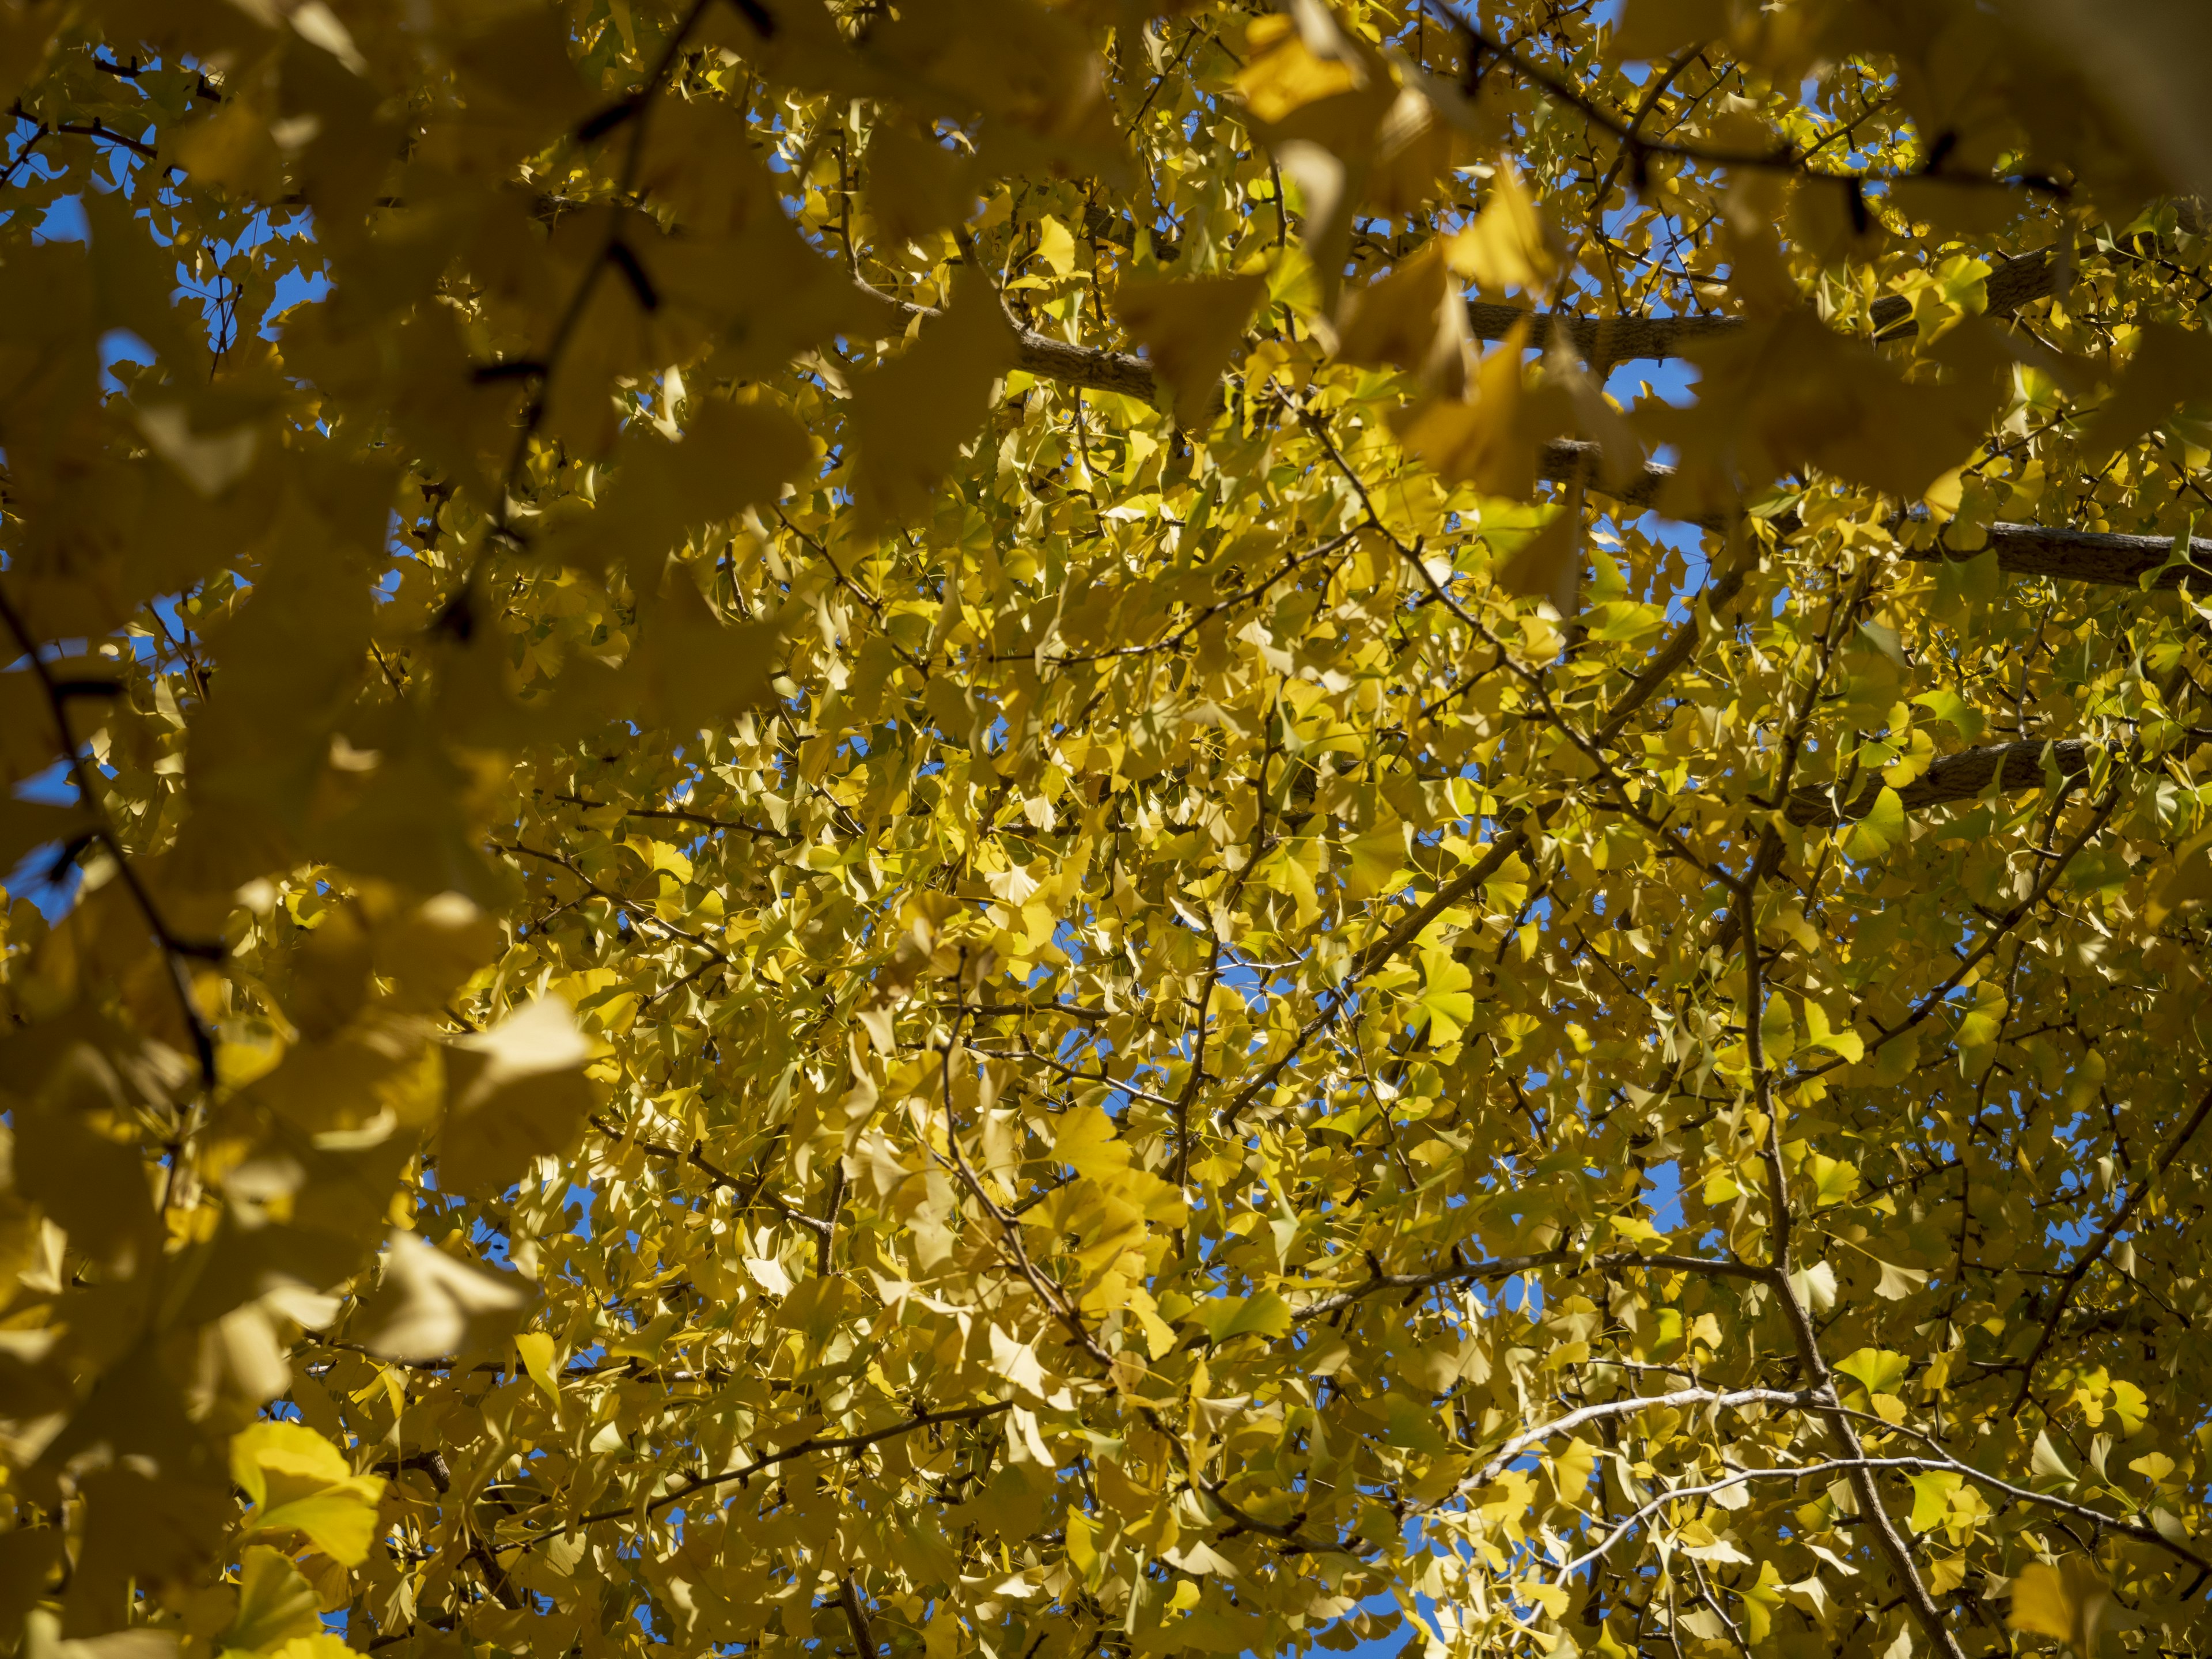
924 827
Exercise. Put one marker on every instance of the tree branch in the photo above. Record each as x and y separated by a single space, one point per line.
1610 340
175 950
2094 1250
1717 1398
864 1641
2022 549
825 1442
1865 1467
1962 777
1780 1227
1506 1267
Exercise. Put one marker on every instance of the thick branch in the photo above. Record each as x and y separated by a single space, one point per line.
1624 340
856 1616
1506 1267
1781 1225
2022 549
1963 776
1100 370
1865 1467
1718 1399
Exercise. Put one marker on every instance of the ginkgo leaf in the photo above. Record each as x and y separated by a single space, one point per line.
1190 328
1447 1002
428 1305
42 1638
275 1601
1878 1370
915 185
1879 830
1932 1498
297 1481
1490 437
911 415
2068 1602
211 462
1263 1314
1509 245
1548 566
1897 1283
1410 318
2187 882
538 1354
1284 74
513 1093
1815 1286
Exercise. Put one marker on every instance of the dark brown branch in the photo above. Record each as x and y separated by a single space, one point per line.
2094 1250
2022 549
1963 776
1609 340
824 1442
175 950
864 1641
1784 157
1507 1267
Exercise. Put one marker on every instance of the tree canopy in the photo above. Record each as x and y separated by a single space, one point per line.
911 827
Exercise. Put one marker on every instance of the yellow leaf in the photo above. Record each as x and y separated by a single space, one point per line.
2068 1602
1283 73
1897 1283
1489 438
1878 1370
1549 566
1880 831
537 1353
1410 318
1509 245
1447 1000
2187 882
1375 863
911 415
1086 1140
211 462
916 184
1056 246
1190 329
317 1645
513 1093
428 1305
275 1601
297 1481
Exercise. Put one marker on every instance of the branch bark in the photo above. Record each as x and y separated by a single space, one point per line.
1962 777
864 1640
1609 340
1866 1465
2022 549
1821 1383
2094 1251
